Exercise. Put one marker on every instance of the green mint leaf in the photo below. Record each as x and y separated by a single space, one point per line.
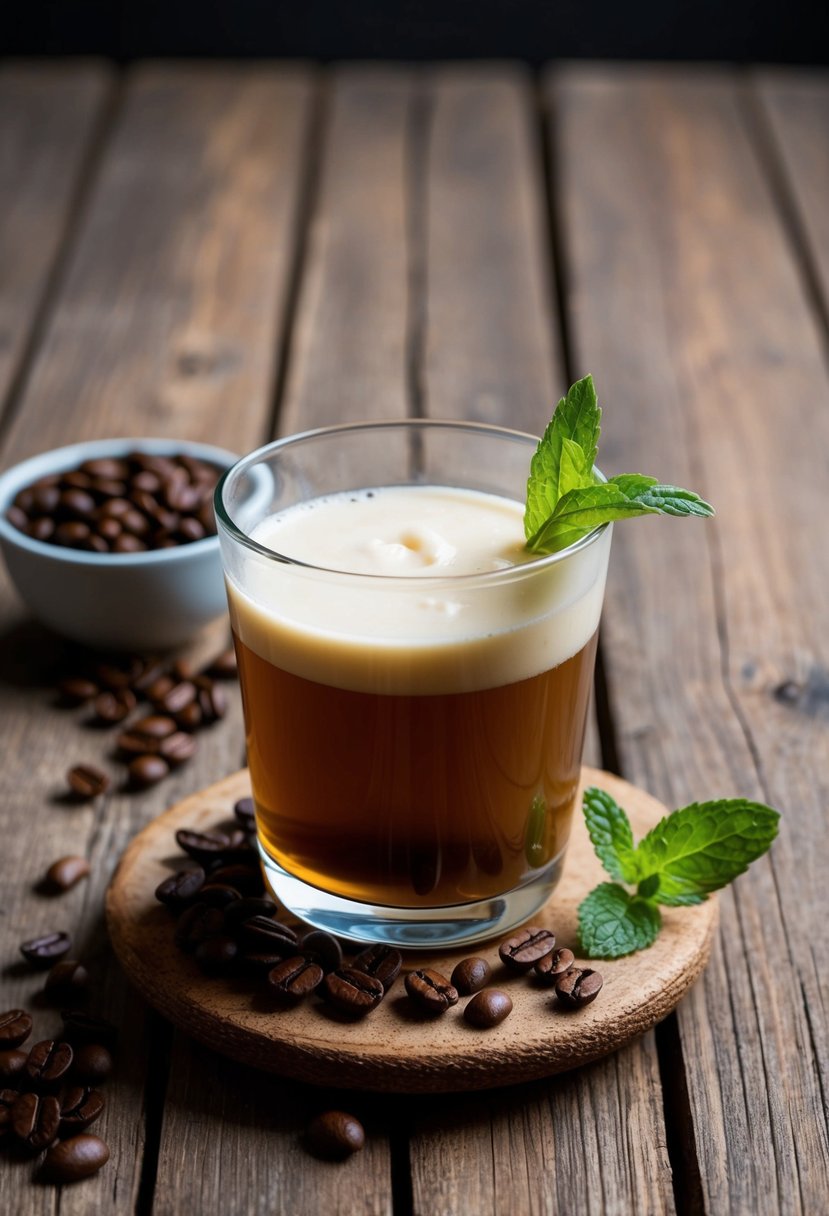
632 484
582 510
574 471
612 922
609 830
648 886
671 500
705 846
577 419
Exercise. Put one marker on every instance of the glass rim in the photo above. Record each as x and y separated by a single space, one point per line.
542 562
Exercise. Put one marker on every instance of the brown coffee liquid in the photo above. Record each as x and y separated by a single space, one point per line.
415 801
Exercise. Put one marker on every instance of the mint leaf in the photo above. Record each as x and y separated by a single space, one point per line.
574 471
609 829
612 922
577 419
582 510
671 500
705 846
648 886
632 484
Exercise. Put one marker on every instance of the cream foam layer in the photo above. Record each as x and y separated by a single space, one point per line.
468 608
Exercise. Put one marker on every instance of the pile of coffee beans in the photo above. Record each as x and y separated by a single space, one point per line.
179 702
120 505
48 1094
228 923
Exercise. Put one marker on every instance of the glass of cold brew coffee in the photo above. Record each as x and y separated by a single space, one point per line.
415 682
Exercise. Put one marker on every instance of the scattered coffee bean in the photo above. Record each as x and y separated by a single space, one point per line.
179 889
525 948
154 727
66 977
177 748
147 770
549 968
12 1064
196 924
215 955
81 1027
48 1063
178 696
8 1097
218 894
322 948
487 1008
65 872
113 707
245 812
189 718
35 1120
294 978
45 950
335 1135
262 933
578 987
210 846
382 962
77 690
119 675
431 991
246 909
159 689
92 1063
352 992
87 782
15 1028
80 1157
224 666
79 1108
212 703
131 743
471 975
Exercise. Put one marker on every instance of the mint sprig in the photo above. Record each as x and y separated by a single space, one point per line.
690 853
566 499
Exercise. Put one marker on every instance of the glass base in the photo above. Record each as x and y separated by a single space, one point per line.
411 928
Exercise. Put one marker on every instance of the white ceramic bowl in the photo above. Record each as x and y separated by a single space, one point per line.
114 601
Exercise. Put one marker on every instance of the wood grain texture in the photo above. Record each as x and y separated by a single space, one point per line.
183 252
687 306
48 118
490 351
167 321
796 108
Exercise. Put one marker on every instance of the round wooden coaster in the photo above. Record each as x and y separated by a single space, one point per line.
392 1049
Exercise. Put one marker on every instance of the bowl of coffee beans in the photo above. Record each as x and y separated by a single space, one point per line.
113 543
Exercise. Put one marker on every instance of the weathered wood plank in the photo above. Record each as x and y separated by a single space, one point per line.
491 353
796 106
165 323
48 119
687 305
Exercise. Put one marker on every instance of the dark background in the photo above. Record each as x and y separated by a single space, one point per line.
783 31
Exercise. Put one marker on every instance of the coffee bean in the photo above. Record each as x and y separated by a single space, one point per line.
108 467
154 727
218 894
35 1120
41 529
294 978
525 948
431 991
147 770
66 872
45 950
208 846
92 1063
18 518
196 924
212 703
80 1157
8 1098
487 1008
178 696
66 977
127 543
85 781
178 748
216 955
578 987
261 933
246 879
72 535
113 707
76 504
245 812
335 1135
81 1027
109 529
48 1063
352 992
12 1064
77 690
15 1028
179 889
322 948
79 1108
471 975
549 968
245 909
224 666
131 744
190 718
382 962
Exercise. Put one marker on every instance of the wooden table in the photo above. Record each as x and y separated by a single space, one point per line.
232 253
